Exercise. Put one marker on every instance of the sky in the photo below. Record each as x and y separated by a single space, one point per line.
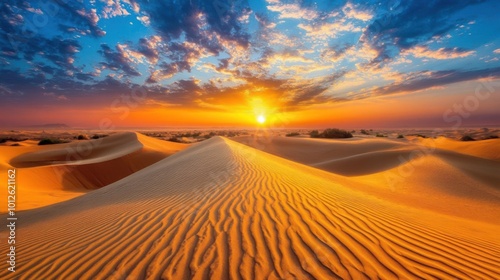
221 63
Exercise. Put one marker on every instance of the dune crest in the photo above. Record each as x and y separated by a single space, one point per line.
222 210
414 173
54 173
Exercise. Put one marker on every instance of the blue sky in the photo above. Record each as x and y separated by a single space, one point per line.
221 55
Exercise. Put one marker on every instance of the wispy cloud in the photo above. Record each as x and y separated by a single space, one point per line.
291 11
441 53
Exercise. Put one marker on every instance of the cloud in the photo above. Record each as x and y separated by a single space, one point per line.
441 53
60 51
410 23
430 79
324 30
288 55
75 12
114 8
145 20
196 17
55 96
117 60
293 11
335 53
150 48
167 70
312 91
264 21
351 11
497 51
268 35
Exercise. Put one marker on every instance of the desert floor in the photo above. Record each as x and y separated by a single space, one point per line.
259 206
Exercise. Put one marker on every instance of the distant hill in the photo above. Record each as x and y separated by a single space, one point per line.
50 125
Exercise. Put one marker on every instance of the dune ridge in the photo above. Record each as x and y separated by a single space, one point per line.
417 173
53 173
223 210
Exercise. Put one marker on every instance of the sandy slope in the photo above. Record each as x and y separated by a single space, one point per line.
53 173
407 172
489 149
222 210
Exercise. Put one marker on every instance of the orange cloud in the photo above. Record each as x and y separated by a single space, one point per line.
441 53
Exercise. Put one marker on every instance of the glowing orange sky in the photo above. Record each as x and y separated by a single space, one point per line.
425 108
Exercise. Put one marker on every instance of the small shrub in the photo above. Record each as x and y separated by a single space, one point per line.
12 139
174 139
365 132
336 133
97 136
15 145
209 135
380 135
314 134
400 136
331 133
189 134
467 138
291 134
49 141
418 135
491 137
82 137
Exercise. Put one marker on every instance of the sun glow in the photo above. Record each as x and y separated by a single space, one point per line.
261 119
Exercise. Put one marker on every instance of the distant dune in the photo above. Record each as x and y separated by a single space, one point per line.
53 173
489 149
223 210
421 173
48 126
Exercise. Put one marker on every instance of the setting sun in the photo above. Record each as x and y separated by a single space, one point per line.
261 119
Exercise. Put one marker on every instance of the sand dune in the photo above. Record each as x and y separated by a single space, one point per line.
223 210
53 173
417 173
489 149
315 151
